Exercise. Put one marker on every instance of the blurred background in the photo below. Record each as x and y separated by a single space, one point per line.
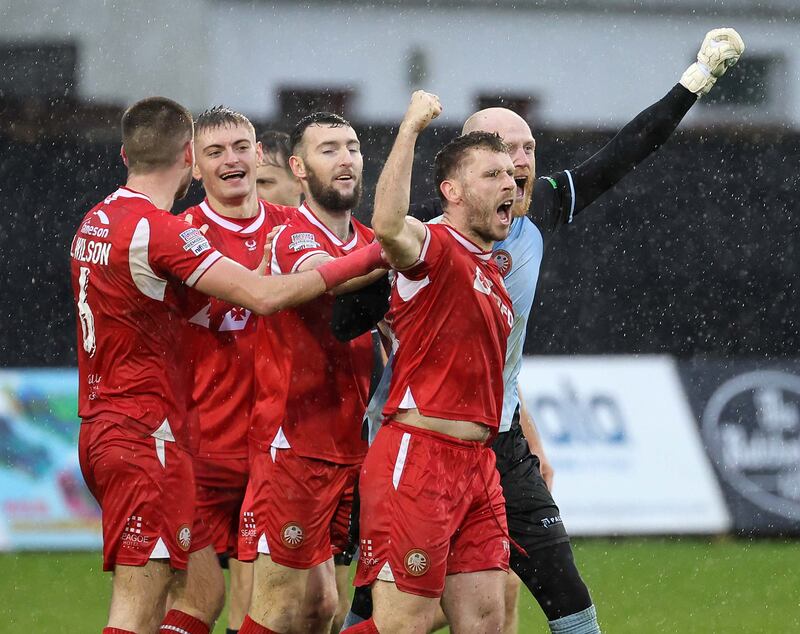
663 369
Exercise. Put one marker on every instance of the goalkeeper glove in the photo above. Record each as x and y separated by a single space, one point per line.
720 50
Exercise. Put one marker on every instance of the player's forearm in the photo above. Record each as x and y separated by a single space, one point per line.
359 282
393 191
631 145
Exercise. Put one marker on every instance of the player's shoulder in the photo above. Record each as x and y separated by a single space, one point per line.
277 214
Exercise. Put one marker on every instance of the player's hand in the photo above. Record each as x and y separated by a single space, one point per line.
267 257
189 219
423 109
546 469
720 50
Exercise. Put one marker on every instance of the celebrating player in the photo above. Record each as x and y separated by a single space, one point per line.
129 260
308 444
275 180
220 346
549 570
432 519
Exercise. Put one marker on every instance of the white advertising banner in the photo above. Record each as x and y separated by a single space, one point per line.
626 450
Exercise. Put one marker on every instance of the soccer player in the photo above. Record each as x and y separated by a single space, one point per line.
130 262
275 181
220 346
307 442
549 570
432 518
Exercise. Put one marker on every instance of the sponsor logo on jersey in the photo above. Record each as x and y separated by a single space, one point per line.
417 562
292 535
194 241
300 241
367 556
248 530
184 536
482 284
504 261
90 230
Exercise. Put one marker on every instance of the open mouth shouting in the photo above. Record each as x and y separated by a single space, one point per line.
521 181
504 211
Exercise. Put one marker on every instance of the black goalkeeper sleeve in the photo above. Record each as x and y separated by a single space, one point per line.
358 312
631 145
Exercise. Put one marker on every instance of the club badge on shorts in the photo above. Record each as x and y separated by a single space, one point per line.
184 536
417 562
292 535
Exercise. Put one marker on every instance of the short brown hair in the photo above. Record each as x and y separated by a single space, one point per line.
221 116
452 155
154 130
315 118
276 149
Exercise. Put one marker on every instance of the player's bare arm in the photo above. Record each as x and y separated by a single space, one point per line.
240 286
402 237
531 434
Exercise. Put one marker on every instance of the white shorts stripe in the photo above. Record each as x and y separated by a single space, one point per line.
400 463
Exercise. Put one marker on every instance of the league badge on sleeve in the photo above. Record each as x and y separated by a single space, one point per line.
300 241
194 241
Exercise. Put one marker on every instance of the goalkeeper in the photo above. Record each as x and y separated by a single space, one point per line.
542 206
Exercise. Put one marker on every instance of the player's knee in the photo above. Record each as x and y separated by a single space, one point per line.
321 606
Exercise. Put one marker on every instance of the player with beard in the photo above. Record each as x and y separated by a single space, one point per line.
432 511
549 571
131 261
275 181
307 444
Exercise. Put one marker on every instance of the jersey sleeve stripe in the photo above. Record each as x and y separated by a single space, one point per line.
305 256
571 196
143 275
206 264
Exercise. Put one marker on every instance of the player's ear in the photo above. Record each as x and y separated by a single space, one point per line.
297 166
196 173
188 153
451 191
123 155
259 153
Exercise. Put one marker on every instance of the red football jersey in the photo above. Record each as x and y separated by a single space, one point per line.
451 317
220 337
327 382
130 265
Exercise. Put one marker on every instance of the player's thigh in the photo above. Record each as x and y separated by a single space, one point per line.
276 587
474 602
138 595
398 612
203 589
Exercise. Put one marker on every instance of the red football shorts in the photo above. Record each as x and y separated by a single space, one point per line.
431 506
146 490
296 509
221 485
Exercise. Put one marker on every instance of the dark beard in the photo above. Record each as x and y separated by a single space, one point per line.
328 197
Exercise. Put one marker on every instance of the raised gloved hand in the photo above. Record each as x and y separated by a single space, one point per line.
720 50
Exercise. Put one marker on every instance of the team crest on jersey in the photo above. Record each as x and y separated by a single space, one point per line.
292 535
504 261
417 562
250 244
194 241
300 241
184 536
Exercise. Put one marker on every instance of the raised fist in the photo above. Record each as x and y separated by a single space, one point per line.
423 109
720 50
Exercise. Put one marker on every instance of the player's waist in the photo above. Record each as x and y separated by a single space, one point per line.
459 429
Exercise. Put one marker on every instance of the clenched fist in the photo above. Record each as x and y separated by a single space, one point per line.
423 109
720 50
